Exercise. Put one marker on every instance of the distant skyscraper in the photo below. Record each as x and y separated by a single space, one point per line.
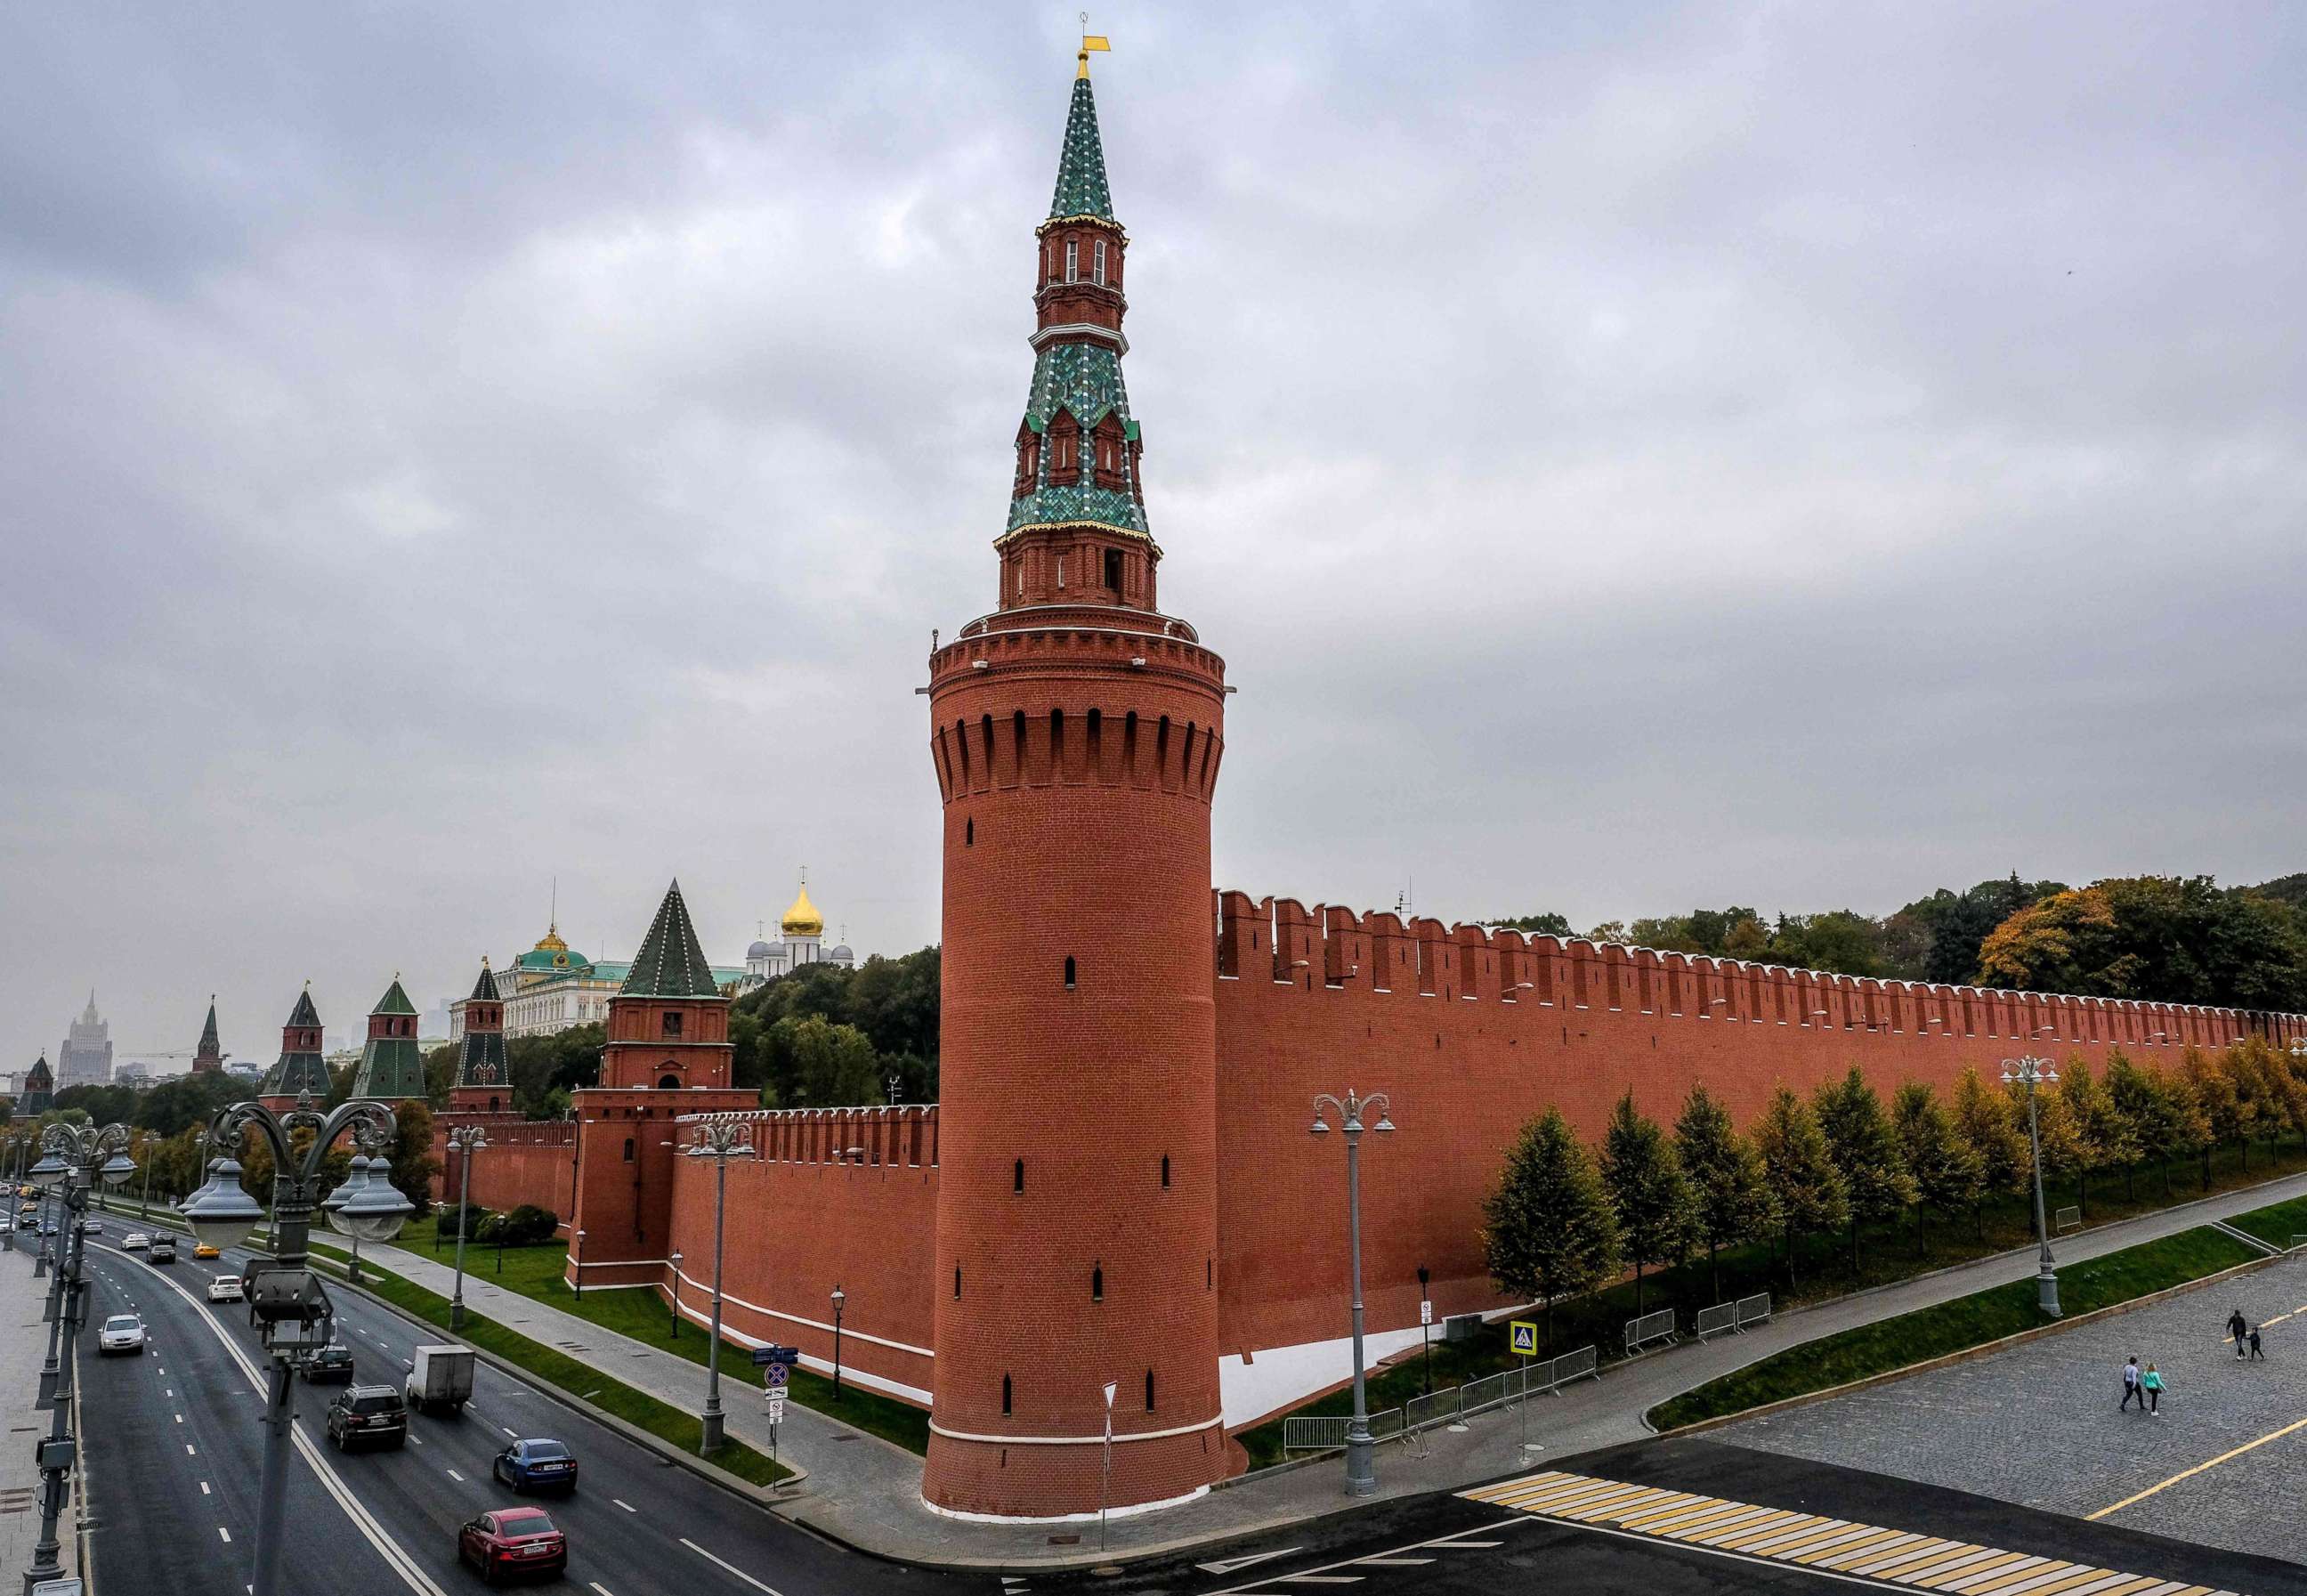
85 1058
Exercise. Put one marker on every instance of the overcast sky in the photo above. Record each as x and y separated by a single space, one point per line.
1629 457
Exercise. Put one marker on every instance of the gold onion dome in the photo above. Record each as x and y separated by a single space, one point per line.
802 920
550 942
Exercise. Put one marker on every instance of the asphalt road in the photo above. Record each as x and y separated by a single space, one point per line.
174 1444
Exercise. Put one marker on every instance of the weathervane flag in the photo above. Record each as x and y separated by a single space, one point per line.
1090 41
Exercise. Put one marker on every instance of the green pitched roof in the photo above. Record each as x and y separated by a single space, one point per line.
481 1062
1085 381
391 1068
1081 167
485 988
208 1043
671 963
394 1001
304 1013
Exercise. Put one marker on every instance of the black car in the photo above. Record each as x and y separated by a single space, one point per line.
161 1251
368 1413
331 1365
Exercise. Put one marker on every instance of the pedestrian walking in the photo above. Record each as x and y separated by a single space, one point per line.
2131 1392
2236 1329
2152 1384
2254 1345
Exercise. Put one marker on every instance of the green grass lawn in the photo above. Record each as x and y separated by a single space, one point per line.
580 1380
2277 1224
646 1317
1969 1321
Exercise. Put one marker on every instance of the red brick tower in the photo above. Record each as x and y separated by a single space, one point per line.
668 1054
299 1071
483 1085
209 1057
1076 732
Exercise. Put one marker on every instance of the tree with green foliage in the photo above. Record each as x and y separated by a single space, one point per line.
2214 1093
2138 1104
1649 1195
1548 1230
1547 925
410 1156
2105 1138
1865 1153
1949 1173
2163 938
1731 1202
1809 1190
1984 1119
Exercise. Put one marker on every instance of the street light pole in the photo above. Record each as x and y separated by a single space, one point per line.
719 1137
1361 1477
2032 1072
839 1297
674 1332
287 1297
464 1141
71 1168
1425 1318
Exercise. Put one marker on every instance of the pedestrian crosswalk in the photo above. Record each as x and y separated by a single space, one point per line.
1808 1540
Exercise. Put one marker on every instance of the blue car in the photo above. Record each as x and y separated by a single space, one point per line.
537 1465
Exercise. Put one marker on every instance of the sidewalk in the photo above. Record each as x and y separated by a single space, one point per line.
867 1492
23 1348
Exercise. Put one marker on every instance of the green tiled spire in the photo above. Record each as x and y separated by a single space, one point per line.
210 1046
395 1001
1081 168
298 1070
1084 379
485 988
671 964
481 1061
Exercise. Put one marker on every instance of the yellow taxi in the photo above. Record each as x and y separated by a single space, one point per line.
202 1249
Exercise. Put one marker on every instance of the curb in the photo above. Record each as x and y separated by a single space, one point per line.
1984 1349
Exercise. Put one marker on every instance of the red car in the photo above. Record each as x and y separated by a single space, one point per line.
513 1540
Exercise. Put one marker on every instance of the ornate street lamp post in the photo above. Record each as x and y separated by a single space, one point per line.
674 1332
719 1139
840 1299
2031 1072
1361 1477
286 1297
464 1141
70 1169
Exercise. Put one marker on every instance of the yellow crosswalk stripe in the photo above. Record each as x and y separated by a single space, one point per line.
1878 1553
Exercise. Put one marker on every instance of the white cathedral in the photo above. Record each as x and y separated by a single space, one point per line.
801 940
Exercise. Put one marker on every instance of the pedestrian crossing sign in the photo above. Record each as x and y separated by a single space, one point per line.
1525 1338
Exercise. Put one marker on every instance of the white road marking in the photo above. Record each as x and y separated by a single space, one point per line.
459 1479
188 1450
1276 1579
603 1588
180 1418
225 1533
731 1567
621 1502
1235 1564
510 1430
204 1489
418 1440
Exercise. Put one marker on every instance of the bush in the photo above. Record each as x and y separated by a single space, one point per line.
525 1226
468 1221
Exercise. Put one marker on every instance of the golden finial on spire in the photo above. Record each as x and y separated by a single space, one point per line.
1090 41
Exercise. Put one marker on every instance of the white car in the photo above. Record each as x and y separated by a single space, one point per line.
122 1332
226 1288
135 1241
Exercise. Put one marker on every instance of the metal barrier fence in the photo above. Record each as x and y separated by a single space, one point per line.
1718 1321
1648 1329
1326 1432
2067 1219
2298 1241
1754 1309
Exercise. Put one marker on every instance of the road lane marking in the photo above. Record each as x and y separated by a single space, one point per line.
602 1589
621 1502
731 1568
225 1533
2273 1435
459 1479
180 1418
188 1450
204 1489
510 1430
1831 1549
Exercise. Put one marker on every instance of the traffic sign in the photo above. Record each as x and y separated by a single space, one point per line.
1425 1312
774 1376
1525 1337
776 1405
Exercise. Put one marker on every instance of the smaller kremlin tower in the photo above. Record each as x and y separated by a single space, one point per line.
391 1068
668 1054
39 1093
209 1057
300 1069
483 1085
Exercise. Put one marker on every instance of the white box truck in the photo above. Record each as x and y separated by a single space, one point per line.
442 1377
